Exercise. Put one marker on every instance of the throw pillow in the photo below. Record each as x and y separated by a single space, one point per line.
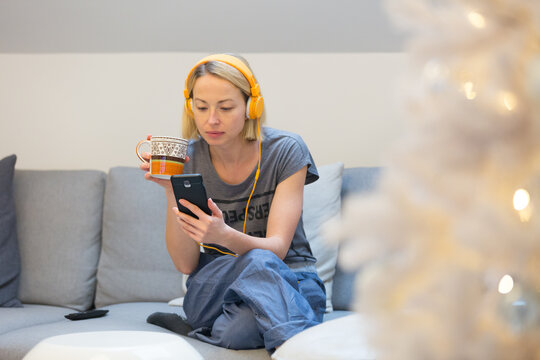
60 214
10 265
322 201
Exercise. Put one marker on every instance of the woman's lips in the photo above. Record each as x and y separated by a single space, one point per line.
214 134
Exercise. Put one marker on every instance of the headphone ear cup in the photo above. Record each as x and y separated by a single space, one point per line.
188 107
248 106
254 107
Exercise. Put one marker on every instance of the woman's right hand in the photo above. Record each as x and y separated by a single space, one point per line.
145 166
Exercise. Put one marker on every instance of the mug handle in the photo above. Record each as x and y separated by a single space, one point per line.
137 149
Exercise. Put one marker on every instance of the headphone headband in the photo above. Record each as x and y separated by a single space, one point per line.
255 103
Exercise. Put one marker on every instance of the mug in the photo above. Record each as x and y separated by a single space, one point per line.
167 155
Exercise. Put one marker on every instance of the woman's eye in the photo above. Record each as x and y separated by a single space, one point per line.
226 108
201 108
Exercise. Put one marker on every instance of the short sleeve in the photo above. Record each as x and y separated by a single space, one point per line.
294 156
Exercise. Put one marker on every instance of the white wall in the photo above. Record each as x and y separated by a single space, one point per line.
87 111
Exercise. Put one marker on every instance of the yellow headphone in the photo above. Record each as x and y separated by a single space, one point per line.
255 103
254 109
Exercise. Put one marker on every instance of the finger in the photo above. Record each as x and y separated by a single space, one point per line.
186 228
185 217
190 230
144 166
149 136
145 155
161 182
180 215
186 225
214 208
193 208
187 159
181 218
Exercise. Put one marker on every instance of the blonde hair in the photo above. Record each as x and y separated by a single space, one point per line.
235 77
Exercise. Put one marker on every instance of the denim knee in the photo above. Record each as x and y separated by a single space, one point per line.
312 289
236 328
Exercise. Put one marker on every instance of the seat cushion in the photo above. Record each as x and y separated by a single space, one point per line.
128 316
29 315
59 231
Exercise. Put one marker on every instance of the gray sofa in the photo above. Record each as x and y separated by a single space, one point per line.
94 239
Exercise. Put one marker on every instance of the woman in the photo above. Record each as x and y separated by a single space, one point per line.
255 284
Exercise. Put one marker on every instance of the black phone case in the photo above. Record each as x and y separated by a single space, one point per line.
191 188
89 314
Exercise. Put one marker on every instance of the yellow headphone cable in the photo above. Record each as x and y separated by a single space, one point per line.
250 195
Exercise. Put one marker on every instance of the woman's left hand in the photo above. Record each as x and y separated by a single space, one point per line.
205 229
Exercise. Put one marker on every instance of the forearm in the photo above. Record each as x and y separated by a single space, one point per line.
241 243
183 251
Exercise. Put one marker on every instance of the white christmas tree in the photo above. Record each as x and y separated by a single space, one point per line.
449 244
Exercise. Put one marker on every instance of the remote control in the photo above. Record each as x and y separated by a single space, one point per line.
89 314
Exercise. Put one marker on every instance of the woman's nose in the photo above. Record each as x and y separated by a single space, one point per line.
213 117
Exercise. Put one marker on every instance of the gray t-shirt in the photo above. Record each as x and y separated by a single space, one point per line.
282 155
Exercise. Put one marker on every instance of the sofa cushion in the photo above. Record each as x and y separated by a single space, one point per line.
29 315
322 201
60 239
128 316
134 263
356 181
10 264
342 338
16 343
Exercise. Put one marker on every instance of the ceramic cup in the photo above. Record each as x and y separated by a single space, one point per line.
167 155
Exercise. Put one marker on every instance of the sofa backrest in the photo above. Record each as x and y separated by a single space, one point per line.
87 236
59 216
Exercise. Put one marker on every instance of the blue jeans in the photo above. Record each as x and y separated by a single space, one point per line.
251 301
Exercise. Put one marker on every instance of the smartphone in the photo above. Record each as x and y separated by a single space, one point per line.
190 187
